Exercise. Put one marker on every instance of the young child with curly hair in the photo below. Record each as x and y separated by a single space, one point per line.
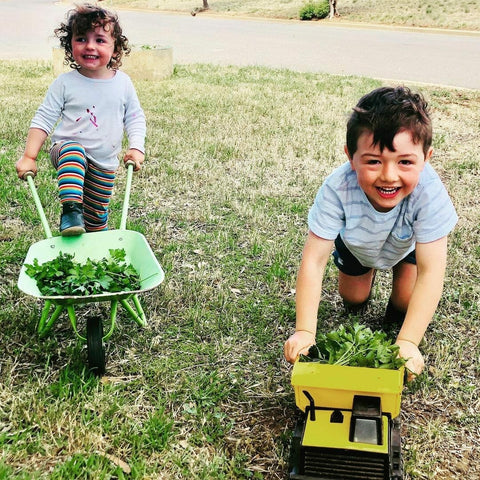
88 110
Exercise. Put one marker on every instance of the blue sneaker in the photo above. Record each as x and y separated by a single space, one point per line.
71 221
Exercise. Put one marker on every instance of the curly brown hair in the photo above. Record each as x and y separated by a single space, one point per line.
88 17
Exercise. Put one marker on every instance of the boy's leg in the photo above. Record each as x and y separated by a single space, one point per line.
70 161
404 278
355 290
97 193
354 280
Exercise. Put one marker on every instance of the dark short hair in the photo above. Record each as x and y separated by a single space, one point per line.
385 112
88 17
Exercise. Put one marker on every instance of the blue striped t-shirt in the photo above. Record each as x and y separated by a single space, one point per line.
381 239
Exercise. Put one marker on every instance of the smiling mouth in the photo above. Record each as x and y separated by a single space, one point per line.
90 57
387 192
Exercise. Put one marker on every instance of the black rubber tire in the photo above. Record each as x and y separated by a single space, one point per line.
395 450
95 348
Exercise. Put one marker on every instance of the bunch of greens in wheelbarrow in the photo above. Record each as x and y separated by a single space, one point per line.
64 276
355 346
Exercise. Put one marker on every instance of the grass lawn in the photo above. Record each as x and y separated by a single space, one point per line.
235 157
446 14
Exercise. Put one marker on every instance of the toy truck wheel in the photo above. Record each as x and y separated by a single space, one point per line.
95 348
396 461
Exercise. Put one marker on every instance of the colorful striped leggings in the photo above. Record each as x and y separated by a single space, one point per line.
82 182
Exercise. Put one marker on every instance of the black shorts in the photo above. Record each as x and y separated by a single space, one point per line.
348 263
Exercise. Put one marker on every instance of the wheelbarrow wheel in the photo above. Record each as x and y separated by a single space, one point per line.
95 348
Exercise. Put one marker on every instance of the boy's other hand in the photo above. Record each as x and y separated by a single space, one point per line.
297 344
135 156
24 165
415 363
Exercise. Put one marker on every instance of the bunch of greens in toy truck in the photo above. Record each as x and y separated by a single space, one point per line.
355 346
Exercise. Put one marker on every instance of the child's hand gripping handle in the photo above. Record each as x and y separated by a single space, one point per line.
135 156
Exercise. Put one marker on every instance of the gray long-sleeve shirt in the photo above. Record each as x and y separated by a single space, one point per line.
94 113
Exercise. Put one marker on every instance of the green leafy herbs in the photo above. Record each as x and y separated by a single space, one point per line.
355 346
63 276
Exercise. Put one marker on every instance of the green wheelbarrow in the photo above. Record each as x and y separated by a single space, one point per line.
95 245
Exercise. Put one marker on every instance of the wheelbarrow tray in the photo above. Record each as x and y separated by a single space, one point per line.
95 245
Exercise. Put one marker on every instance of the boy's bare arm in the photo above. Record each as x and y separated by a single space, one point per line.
431 264
308 292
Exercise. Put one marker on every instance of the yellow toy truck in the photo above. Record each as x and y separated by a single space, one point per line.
349 427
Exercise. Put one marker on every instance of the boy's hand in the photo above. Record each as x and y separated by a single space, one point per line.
298 343
135 156
24 165
411 353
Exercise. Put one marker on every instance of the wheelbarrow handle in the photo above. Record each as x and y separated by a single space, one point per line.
29 176
129 164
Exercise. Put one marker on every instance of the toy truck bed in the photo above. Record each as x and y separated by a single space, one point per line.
334 386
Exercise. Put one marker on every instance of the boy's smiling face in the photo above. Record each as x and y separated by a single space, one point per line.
388 177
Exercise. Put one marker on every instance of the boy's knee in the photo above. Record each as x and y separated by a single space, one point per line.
356 290
354 297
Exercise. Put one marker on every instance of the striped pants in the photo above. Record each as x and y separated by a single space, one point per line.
82 182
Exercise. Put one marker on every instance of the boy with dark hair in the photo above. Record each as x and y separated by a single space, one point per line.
384 208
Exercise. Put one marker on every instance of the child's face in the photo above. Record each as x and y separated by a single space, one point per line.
388 177
92 52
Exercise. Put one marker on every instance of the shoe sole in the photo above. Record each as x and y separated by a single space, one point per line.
72 231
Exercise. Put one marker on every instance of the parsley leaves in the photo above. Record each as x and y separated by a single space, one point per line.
63 276
355 346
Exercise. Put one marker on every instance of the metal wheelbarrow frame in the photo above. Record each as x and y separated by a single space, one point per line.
94 245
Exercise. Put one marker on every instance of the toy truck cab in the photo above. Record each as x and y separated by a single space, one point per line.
349 427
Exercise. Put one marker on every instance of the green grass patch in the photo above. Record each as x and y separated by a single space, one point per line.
234 159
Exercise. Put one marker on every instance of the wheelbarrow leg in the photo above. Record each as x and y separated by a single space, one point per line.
113 317
73 321
45 324
138 315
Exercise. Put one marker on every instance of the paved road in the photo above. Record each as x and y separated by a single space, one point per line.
399 55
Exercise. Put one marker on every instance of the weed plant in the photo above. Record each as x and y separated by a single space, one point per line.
314 10
234 159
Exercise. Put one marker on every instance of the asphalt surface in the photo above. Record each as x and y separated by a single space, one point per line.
405 55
